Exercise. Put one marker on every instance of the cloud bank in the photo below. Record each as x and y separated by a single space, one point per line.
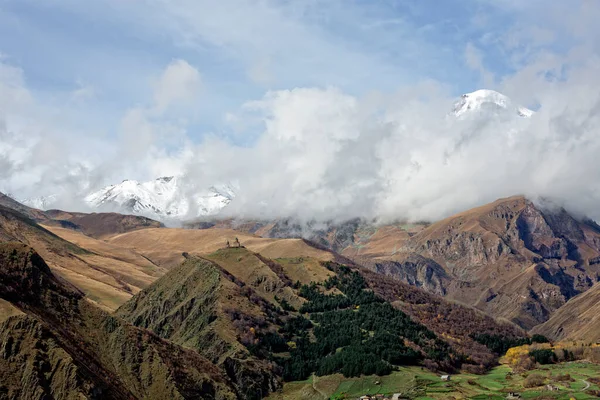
323 152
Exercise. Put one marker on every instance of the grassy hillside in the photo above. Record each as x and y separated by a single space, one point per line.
108 275
64 347
165 246
200 306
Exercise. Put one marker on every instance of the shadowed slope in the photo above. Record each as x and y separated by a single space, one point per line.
82 349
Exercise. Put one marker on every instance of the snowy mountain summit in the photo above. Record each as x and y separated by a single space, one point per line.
488 101
162 198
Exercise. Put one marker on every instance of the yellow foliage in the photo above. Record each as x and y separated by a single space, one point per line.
291 344
515 354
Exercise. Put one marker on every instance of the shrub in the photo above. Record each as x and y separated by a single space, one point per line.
525 364
594 380
534 381
543 356
563 378
539 339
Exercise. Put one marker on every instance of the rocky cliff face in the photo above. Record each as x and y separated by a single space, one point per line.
513 259
415 270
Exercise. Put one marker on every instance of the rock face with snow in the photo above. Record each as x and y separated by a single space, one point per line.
488 103
41 203
162 198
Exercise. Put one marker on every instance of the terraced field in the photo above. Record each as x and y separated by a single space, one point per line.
419 384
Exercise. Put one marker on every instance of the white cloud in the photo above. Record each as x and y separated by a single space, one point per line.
178 82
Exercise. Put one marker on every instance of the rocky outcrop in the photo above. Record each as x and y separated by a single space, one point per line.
538 236
414 269
467 248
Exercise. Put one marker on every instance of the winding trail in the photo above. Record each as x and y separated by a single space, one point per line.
587 385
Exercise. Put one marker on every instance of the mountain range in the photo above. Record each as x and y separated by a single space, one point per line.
221 321
116 306
164 198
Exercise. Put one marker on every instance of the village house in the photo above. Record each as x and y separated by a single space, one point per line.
445 378
552 388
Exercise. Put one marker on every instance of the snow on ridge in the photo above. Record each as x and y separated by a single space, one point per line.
162 198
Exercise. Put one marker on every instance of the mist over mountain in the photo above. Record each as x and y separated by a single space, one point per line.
326 155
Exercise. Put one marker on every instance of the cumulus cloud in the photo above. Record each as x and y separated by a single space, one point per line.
179 82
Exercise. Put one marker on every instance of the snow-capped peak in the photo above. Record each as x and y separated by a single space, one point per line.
162 198
488 100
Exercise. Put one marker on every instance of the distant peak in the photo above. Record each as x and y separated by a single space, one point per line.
487 99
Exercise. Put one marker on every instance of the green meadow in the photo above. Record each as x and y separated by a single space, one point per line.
417 383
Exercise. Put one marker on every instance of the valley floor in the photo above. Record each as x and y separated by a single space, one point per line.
416 383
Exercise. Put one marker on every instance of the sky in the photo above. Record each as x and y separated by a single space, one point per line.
316 108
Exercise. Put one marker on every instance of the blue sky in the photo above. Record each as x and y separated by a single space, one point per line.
115 49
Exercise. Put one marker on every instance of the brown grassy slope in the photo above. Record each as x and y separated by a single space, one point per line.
66 345
121 262
100 225
304 269
165 246
7 310
94 224
109 273
579 319
32 213
202 306
108 280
